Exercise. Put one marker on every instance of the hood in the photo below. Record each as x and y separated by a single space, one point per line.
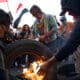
70 5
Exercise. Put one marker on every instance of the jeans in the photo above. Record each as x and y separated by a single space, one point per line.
53 46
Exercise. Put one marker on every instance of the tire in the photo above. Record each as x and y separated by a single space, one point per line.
19 48
22 47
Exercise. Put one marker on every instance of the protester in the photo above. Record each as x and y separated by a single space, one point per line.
65 27
26 32
73 7
64 31
4 26
44 28
17 33
4 30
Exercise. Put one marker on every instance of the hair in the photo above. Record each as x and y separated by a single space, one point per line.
63 18
24 26
4 18
35 9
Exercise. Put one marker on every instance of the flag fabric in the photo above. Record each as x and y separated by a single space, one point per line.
3 1
16 22
19 6
11 17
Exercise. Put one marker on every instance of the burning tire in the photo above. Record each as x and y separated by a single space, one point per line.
34 51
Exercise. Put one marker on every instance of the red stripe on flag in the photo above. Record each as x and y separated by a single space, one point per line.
3 0
19 6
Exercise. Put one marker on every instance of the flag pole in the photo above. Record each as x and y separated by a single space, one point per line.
9 12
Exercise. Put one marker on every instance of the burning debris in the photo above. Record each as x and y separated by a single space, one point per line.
31 73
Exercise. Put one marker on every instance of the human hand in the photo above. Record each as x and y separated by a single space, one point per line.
42 38
43 68
46 66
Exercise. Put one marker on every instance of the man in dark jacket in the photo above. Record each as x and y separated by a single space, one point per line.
4 29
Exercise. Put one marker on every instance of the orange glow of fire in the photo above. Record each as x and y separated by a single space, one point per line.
31 72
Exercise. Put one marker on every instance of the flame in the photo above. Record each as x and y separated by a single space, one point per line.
32 71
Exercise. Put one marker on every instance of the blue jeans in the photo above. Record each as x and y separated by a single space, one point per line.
60 42
52 46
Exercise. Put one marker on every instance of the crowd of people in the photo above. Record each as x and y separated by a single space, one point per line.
46 29
61 38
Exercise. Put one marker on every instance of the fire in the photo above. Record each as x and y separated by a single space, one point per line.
32 72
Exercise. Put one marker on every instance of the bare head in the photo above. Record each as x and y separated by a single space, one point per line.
36 11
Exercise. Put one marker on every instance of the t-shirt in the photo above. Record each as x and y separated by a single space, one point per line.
46 23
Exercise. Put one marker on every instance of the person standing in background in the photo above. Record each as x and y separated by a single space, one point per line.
44 28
